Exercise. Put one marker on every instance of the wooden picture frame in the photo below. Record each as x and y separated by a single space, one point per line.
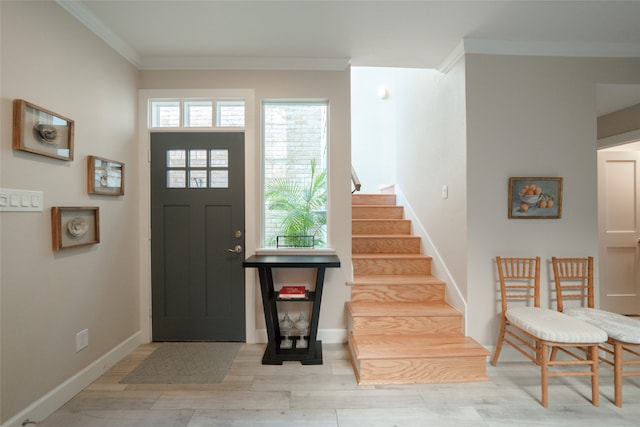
75 226
535 198
105 176
40 131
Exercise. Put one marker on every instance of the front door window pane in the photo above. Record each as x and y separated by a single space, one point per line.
176 178
198 158
197 179
176 158
219 179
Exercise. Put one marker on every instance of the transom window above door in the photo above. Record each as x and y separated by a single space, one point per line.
197 113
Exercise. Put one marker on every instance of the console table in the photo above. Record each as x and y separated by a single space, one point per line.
274 354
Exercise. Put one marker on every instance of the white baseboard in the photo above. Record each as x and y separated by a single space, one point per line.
329 336
53 400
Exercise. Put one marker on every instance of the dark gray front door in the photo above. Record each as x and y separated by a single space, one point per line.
197 236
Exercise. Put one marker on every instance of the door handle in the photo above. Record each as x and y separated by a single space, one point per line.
236 250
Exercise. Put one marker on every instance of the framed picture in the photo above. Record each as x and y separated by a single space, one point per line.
105 176
75 226
41 131
535 198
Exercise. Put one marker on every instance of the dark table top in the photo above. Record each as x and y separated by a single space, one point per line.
292 261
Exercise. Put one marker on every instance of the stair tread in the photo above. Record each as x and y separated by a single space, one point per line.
415 346
405 309
395 280
385 236
383 256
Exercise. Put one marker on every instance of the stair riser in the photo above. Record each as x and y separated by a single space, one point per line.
391 266
373 199
405 325
426 371
404 293
363 227
389 245
377 212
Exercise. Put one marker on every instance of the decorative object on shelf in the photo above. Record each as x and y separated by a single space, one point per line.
302 326
293 292
74 226
286 325
105 176
40 131
535 198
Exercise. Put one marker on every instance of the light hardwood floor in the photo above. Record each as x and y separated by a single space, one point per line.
253 394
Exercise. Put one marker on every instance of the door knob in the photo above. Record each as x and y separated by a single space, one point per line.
236 250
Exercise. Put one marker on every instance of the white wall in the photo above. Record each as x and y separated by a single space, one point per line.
333 85
373 126
51 60
530 116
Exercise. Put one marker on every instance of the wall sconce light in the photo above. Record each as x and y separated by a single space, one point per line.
382 92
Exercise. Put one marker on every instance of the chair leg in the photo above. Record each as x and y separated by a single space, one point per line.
617 373
595 395
543 358
554 350
496 352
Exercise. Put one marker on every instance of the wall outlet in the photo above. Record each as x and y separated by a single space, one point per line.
82 339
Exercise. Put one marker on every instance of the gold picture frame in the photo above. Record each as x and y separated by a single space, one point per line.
105 176
535 198
41 131
75 226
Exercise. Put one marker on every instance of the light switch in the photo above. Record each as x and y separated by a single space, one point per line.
445 192
20 200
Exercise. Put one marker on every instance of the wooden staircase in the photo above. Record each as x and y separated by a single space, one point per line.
401 331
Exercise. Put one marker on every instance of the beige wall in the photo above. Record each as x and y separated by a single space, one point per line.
333 85
619 122
530 116
51 60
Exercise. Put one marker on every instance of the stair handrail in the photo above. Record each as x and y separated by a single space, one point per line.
355 180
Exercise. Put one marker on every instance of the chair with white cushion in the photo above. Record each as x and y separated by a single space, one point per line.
574 281
533 330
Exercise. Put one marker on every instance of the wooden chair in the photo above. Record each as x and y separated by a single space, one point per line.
533 330
574 281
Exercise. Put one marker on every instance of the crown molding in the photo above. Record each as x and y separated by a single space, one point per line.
581 49
84 15
245 63
452 59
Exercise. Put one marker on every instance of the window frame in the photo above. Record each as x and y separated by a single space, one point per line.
262 231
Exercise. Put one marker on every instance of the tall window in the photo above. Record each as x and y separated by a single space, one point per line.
294 143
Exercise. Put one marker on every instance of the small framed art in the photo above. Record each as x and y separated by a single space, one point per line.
75 226
105 176
535 198
40 131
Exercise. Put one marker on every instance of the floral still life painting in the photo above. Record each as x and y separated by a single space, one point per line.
535 198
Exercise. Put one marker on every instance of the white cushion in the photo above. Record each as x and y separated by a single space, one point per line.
550 325
617 326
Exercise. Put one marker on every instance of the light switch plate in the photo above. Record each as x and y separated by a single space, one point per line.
12 200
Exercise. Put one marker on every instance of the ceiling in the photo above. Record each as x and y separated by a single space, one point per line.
331 34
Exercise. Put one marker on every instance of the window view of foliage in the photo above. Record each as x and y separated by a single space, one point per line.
300 208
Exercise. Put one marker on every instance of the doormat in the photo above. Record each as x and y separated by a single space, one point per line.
185 363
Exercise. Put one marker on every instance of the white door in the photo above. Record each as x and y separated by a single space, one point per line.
619 230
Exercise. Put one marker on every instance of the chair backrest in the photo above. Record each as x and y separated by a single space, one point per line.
574 280
519 279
